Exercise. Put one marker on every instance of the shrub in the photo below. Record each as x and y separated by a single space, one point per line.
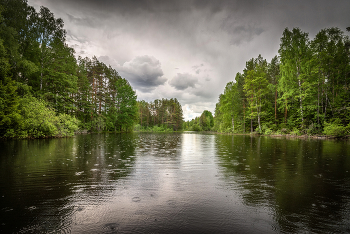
196 127
38 120
66 125
295 132
137 127
336 129
266 130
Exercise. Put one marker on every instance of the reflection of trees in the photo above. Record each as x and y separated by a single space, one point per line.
44 178
306 182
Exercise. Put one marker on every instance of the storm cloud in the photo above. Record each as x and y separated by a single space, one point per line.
143 72
187 49
183 81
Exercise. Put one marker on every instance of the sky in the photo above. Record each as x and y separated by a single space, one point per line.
187 49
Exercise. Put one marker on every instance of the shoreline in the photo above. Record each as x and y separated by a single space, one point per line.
322 137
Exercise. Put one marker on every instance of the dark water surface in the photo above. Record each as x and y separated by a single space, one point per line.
174 183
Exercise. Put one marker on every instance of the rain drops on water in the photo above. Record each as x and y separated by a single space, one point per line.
136 199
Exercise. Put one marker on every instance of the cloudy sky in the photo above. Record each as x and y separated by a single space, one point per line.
187 49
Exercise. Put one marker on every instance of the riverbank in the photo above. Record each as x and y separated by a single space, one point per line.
282 135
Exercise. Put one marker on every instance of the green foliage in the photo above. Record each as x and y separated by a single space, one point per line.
67 125
312 129
206 121
256 87
230 108
126 105
58 93
166 113
295 132
336 129
266 130
9 100
203 123
162 128
97 124
196 127
39 120
305 88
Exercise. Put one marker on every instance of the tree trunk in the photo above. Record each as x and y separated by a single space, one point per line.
318 99
285 112
251 120
233 125
276 105
301 104
301 101
243 116
141 115
258 113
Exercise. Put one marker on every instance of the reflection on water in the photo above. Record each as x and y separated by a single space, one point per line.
174 183
44 182
306 183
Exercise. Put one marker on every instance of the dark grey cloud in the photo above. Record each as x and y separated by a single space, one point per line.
198 23
183 81
195 67
81 21
143 72
222 35
71 36
182 19
246 32
238 16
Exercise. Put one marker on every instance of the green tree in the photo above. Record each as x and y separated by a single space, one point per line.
126 105
295 56
255 86
61 78
9 100
206 120
273 74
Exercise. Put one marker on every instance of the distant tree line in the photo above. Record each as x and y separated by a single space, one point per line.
205 122
160 115
44 90
303 90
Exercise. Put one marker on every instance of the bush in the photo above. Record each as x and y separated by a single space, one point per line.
336 129
155 128
137 128
66 125
266 130
295 132
196 127
38 121
278 132
313 129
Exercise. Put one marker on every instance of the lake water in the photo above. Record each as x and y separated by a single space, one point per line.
174 183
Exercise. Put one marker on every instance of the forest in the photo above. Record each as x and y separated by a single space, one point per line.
45 91
302 91
160 115
205 122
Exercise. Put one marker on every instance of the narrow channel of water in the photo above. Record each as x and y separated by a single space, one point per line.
174 183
